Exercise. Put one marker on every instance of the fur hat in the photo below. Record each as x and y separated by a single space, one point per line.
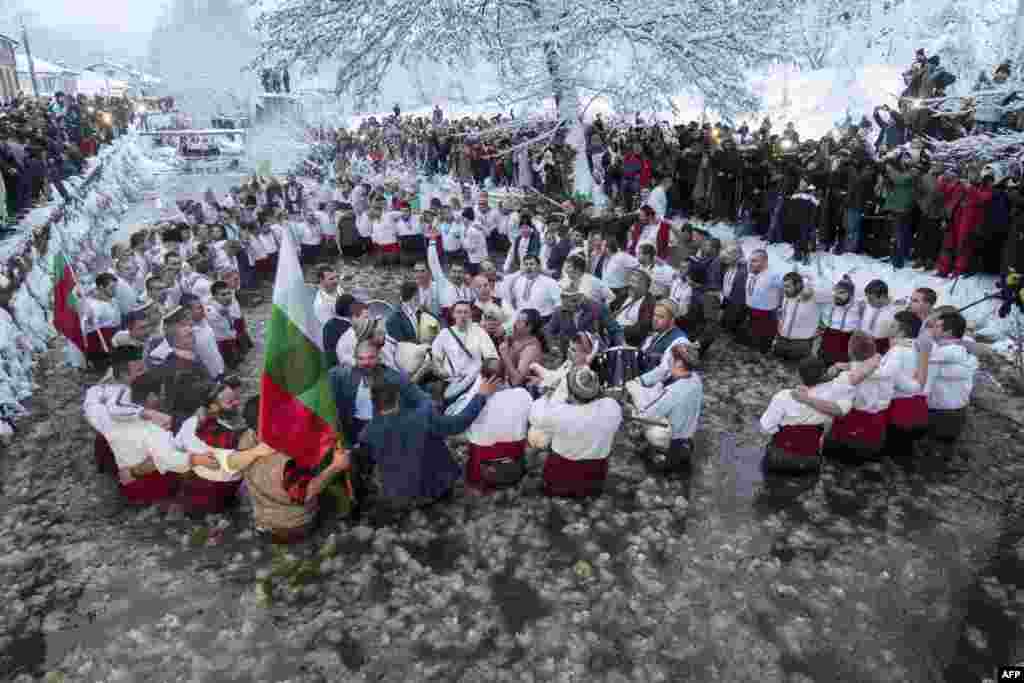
583 384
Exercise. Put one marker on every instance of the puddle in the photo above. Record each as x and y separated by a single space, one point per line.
518 602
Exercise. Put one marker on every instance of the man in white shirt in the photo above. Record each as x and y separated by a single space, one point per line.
499 431
456 286
798 319
877 319
218 316
582 428
678 400
475 244
839 322
309 238
951 370
860 434
462 348
532 289
326 294
908 410
576 275
661 273
616 268
763 297
797 423
205 339
658 199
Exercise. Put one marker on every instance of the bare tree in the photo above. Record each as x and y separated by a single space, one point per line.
637 53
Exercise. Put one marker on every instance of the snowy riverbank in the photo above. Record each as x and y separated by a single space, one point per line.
115 180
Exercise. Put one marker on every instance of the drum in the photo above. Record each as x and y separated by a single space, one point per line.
413 359
618 365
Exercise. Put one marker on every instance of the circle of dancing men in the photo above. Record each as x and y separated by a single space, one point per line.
633 307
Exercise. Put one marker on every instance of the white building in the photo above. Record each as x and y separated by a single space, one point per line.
139 83
51 78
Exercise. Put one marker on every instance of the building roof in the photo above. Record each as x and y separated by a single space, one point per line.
128 71
41 65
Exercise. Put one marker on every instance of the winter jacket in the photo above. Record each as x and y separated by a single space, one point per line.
901 195
860 187
929 198
971 200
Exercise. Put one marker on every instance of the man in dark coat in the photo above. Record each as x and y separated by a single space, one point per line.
576 314
402 324
734 293
406 443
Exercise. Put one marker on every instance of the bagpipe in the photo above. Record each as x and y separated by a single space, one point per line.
1010 293
618 370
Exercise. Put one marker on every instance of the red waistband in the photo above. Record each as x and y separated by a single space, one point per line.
508 449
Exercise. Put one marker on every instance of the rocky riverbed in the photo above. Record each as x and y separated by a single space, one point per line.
889 572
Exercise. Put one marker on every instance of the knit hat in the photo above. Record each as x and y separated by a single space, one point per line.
583 384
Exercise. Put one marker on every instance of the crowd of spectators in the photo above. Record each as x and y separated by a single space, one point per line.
872 186
45 140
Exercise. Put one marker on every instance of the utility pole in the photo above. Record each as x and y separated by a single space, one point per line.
31 64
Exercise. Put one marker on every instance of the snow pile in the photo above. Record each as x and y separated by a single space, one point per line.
827 269
82 228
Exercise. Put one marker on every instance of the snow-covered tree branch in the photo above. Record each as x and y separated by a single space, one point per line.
637 53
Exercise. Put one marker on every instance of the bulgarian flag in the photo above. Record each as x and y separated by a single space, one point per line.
65 304
297 412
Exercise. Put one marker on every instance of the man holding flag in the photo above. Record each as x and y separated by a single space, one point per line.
65 309
296 412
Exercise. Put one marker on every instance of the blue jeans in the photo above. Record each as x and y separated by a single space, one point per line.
775 224
854 220
901 231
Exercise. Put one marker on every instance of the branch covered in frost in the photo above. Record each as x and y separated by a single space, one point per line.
636 52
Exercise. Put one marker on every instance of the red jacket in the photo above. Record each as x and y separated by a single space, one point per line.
967 202
646 173
661 243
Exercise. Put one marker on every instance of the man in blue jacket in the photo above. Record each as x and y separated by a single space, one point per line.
406 444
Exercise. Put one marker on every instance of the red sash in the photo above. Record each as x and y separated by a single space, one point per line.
149 489
387 248
909 413
762 324
835 346
802 441
573 478
861 428
478 454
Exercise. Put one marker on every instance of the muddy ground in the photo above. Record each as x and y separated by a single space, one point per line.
889 572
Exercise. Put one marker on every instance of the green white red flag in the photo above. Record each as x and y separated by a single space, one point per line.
298 416
65 303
